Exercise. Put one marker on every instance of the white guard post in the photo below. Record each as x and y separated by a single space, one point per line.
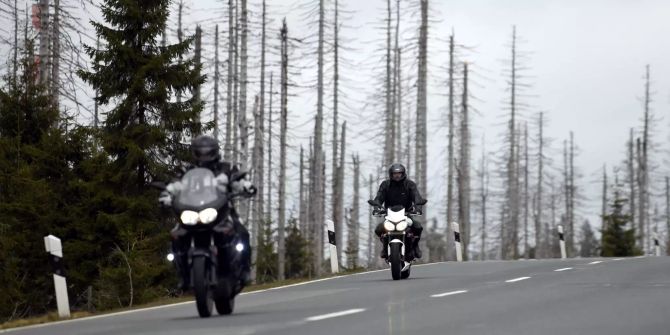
457 238
55 250
657 245
561 238
334 266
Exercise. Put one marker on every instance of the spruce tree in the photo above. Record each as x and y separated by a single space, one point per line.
618 240
137 78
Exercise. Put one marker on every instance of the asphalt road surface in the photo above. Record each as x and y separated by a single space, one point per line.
575 296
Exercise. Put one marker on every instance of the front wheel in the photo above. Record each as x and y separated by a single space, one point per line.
203 295
396 261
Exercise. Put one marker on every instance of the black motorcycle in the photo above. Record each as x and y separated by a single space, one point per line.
203 207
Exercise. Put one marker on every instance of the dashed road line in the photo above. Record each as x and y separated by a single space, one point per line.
563 269
516 279
440 295
334 315
595 262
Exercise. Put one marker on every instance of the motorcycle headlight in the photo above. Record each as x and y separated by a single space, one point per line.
401 226
189 217
388 225
208 215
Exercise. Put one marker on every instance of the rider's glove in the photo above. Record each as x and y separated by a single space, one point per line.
165 199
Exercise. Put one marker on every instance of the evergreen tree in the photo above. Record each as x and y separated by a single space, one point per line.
266 259
141 132
297 257
618 240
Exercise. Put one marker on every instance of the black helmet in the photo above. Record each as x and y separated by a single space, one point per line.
395 168
205 150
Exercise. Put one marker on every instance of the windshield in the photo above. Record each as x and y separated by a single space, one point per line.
198 189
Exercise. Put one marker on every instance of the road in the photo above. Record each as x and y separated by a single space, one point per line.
575 296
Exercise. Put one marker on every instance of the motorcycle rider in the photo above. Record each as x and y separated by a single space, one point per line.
400 190
206 154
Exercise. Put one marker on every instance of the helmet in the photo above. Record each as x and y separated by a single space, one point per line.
397 168
205 150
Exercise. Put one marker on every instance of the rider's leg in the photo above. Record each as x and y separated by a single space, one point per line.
180 245
379 230
417 229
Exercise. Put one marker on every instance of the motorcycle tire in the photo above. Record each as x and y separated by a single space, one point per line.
396 261
203 295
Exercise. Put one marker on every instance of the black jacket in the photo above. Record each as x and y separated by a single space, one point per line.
404 193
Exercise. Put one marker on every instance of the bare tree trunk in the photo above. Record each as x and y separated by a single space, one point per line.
337 199
180 11
317 197
96 119
421 106
484 193
258 152
282 155
464 169
217 77
269 201
228 148
397 87
236 84
644 168
352 241
302 215
450 153
525 192
509 226
15 67
55 63
339 194
630 164
388 113
569 194
44 42
244 127
197 59
540 248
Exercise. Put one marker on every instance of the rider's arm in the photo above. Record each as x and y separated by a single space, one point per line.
415 194
381 193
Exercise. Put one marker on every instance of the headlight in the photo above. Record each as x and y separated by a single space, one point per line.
401 226
208 215
189 217
388 225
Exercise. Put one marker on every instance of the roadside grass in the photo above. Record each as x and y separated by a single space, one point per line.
53 316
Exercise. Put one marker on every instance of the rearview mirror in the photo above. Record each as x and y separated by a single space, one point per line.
422 202
374 203
158 184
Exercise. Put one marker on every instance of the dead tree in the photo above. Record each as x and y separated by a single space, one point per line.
44 42
217 77
198 60
421 157
643 171
464 168
603 212
667 214
525 192
338 197
228 147
539 205
340 174
316 207
242 112
631 172
55 55
352 240
269 201
450 150
282 147
483 196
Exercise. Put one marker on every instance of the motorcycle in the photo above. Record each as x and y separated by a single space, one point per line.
398 238
203 206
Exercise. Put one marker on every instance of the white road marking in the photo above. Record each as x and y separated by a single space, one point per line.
617 259
563 269
595 262
447 293
334 315
643 256
516 279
